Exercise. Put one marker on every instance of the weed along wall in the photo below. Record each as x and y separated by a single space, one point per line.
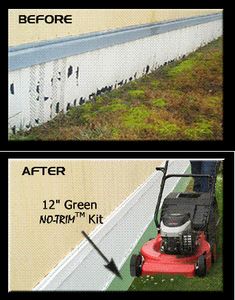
55 66
52 201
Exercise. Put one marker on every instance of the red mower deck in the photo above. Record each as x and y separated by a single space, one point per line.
156 262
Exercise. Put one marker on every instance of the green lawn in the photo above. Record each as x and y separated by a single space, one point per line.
179 101
212 282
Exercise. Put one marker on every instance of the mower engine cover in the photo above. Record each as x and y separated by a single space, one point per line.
177 234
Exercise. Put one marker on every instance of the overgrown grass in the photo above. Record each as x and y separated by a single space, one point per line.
212 282
179 101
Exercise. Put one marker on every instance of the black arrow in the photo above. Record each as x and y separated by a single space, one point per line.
110 264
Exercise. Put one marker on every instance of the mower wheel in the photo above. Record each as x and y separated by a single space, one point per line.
200 268
136 265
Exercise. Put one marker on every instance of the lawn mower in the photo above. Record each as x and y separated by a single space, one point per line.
186 233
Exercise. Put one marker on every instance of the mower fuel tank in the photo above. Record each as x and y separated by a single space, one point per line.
177 235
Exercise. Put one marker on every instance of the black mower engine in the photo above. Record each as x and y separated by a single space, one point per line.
177 235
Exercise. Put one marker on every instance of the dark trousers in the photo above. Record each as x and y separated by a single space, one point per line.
205 167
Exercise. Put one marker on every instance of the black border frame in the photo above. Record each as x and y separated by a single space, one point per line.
228 235
225 144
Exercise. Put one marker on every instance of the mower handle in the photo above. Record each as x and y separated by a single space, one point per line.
165 177
164 171
188 175
193 176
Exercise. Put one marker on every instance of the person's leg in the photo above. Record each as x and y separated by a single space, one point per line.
208 167
196 169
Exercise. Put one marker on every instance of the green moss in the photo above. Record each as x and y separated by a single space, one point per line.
72 113
86 108
136 94
160 102
133 84
115 133
136 118
115 105
84 113
99 99
185 66
201 129
214 99
22 137
167 129
90 110
155 83
199 55
116 93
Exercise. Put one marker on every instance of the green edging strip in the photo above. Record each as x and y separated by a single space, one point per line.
150 232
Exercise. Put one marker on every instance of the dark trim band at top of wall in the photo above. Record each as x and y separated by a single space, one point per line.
24 56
